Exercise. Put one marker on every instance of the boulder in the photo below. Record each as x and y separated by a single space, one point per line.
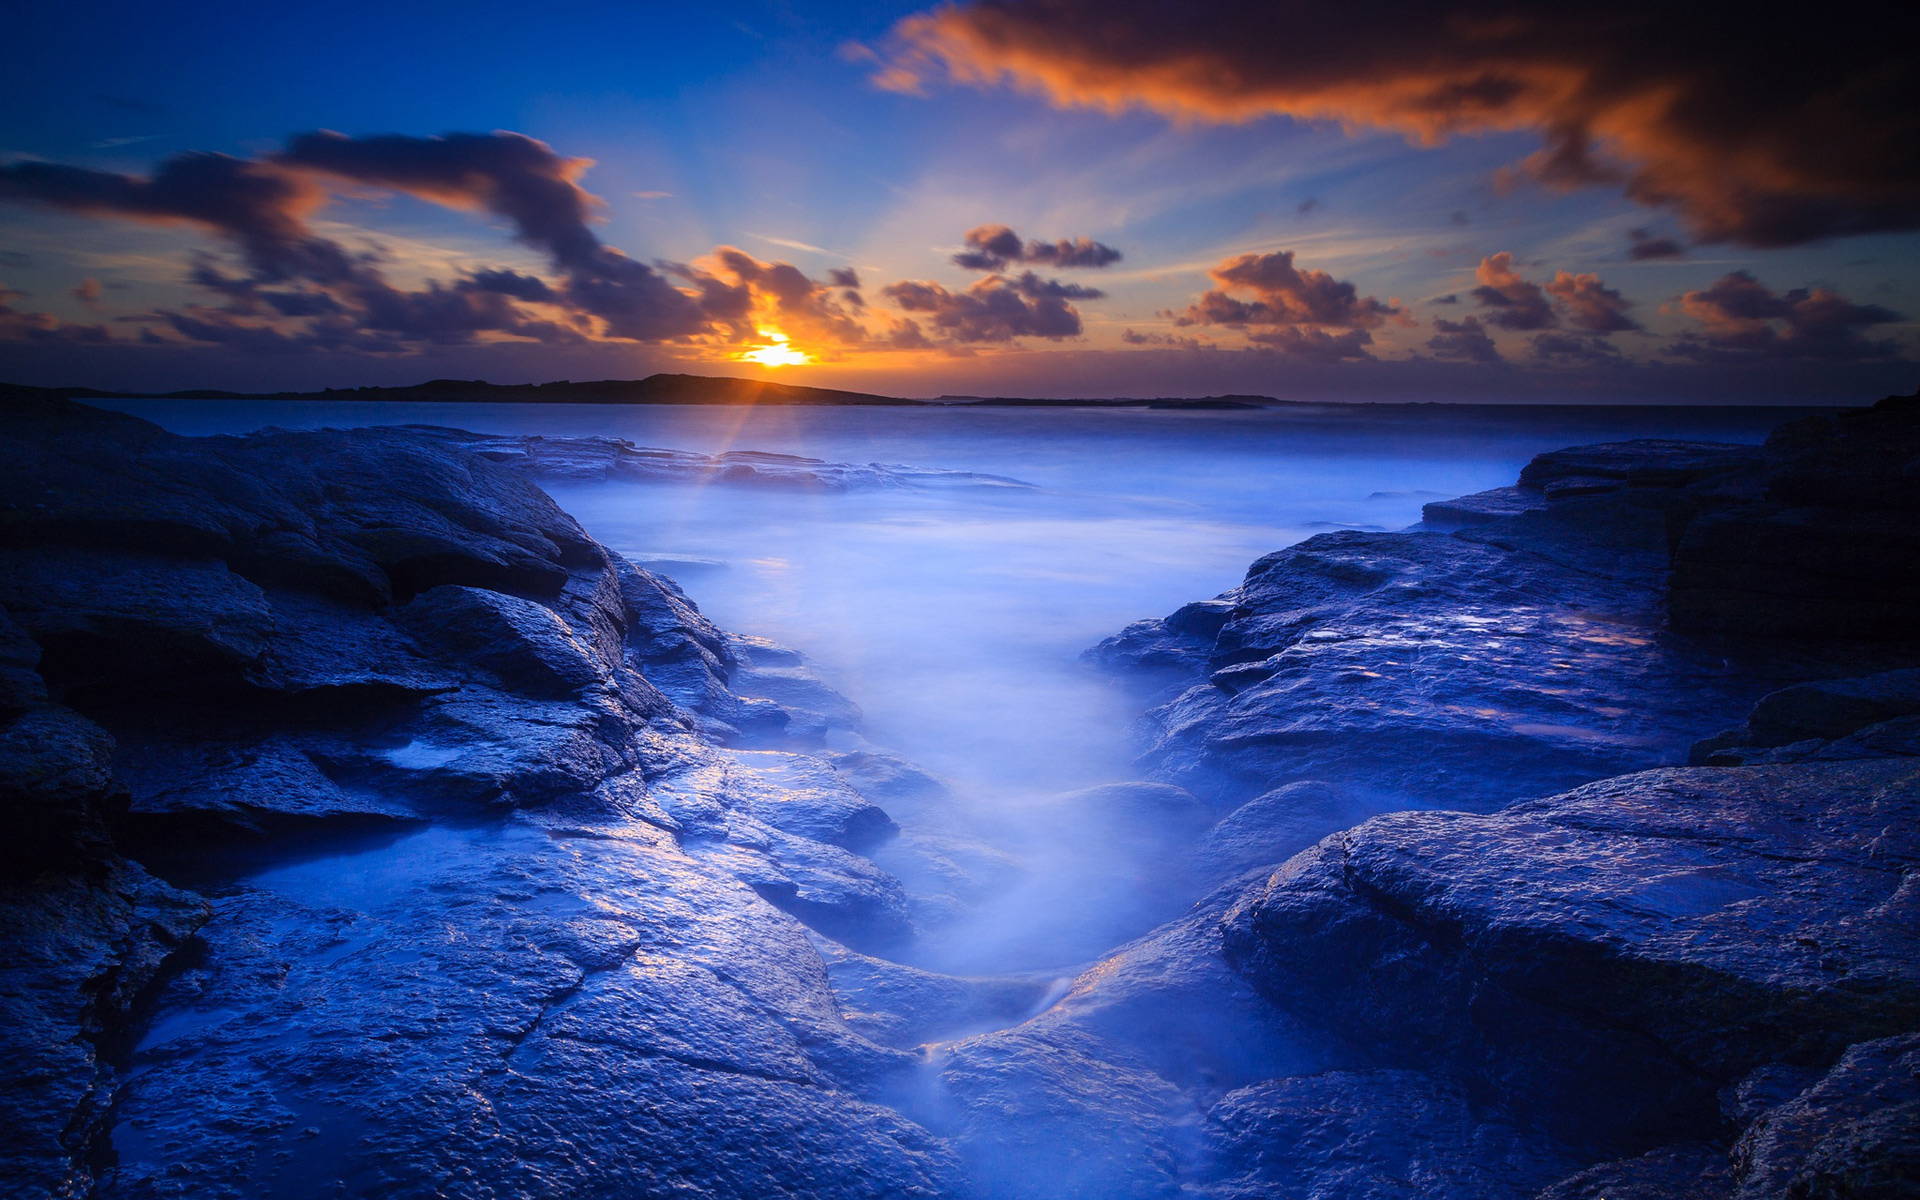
1608 959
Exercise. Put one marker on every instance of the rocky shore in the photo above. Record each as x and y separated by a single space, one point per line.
366 828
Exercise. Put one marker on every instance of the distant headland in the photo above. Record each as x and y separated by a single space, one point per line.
654 389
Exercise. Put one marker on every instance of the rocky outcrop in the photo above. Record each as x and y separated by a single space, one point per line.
1676 982
493 860
1821 541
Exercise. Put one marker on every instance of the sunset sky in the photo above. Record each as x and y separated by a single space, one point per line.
1365 201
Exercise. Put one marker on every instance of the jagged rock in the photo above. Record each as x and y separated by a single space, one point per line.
1609 958
82 950
1855 1133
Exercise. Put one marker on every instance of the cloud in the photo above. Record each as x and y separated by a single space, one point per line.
1590 305
1516 303
523 180
1766 127
996 309
1465 340
44 327
1300 312
1566 348
1645 246
1745 319
996 247
87 292
263 208
1134 337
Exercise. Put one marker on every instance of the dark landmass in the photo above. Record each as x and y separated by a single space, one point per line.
655 389
1568 847
1203 402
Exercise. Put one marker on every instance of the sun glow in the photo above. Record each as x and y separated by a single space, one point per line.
776 353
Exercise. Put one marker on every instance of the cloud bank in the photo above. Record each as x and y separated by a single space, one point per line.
1762 125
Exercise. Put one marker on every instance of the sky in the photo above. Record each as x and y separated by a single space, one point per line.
1369 201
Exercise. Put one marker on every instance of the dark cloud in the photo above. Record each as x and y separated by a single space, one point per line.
1582 301
844 277
262 207
1464 340
1589 304
1765 125
996 247
44 327
1645 246
1516 303
1300 312
1134 337
995 309
1745 319
1567 348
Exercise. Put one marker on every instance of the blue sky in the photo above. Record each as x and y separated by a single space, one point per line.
761 127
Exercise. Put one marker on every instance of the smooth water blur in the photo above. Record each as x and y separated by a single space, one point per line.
955 616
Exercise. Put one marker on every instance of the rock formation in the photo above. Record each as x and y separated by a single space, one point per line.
1566 847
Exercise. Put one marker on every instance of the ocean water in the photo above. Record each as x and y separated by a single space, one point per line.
955 616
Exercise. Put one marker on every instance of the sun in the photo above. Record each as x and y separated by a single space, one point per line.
776 353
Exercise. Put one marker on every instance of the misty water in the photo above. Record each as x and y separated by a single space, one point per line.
955 616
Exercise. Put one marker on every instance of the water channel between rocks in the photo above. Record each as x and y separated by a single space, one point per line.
954 613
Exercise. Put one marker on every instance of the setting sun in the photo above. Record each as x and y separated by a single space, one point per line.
777 353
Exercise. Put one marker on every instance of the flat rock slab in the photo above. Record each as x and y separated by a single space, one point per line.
1618 953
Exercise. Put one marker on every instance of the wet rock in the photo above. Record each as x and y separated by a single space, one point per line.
904 1007
83 949
1373 1135
1820 719
1609 958
1424 670
1820 542
1688 1171
1854 1133
526 1006
527 646
1645 462
1481 508
1005 1099
317 641
1273 827
883 777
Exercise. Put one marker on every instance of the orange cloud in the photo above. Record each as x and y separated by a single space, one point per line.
1770 126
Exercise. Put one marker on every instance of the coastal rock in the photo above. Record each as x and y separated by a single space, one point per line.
528 1006
1371 1135
1867 717
475 875
1820 543
1609 958
1854 1133
1685 1171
